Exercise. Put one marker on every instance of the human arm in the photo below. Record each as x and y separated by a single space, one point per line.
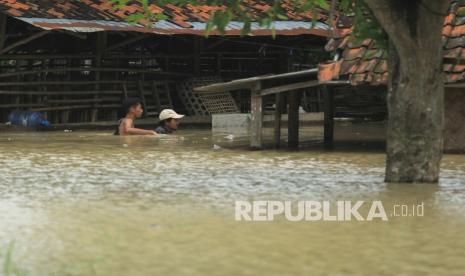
126 128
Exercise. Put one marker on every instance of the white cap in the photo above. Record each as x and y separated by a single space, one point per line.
168 114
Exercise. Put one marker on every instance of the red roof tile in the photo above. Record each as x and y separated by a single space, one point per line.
327 71
96 10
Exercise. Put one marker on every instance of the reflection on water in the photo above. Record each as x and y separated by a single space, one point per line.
89 203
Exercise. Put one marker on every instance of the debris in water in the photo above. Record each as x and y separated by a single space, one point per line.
155 225
125 145
216 147
230 137
67 130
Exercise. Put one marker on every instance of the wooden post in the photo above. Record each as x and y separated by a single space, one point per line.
256 137
65 113
2 30
277 119
100 46
218 64
293 119
156 97
198 45
44 98
140 86
328 95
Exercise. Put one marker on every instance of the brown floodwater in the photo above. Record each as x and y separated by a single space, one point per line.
89 203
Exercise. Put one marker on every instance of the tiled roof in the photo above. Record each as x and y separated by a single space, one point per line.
364 63
95 15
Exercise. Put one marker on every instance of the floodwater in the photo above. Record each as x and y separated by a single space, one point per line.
89 203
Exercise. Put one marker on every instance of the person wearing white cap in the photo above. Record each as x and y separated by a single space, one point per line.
169 121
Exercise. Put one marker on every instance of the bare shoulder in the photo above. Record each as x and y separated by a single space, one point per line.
124 125
126 122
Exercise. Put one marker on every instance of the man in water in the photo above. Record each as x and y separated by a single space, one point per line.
169 121
133 110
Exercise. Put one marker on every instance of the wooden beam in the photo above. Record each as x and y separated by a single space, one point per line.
3 20
57 93
57 108
198 45
68 101
142 96
35 83
226 87
23 41
214 44
75 34
21 105
289 87
249 82
100 45
93 69
125 91
293 119
277 120
127 42
328 95
156 97
256 125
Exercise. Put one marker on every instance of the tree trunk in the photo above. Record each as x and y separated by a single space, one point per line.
415 88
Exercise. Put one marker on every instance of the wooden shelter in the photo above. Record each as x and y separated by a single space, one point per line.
285 88
77 60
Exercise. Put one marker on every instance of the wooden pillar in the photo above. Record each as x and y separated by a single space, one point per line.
2 30
100 46
140 86
293 119
256 136
277 119
219 56
198 46
44 98
328 95
125 91
65 113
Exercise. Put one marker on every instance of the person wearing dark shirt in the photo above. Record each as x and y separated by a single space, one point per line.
169 121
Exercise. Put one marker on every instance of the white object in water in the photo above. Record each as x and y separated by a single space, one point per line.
230 137
67 130
216 147
125 145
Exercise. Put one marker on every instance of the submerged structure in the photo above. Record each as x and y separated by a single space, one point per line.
75 61
363 65
354 84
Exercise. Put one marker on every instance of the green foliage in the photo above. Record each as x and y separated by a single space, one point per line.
365 25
